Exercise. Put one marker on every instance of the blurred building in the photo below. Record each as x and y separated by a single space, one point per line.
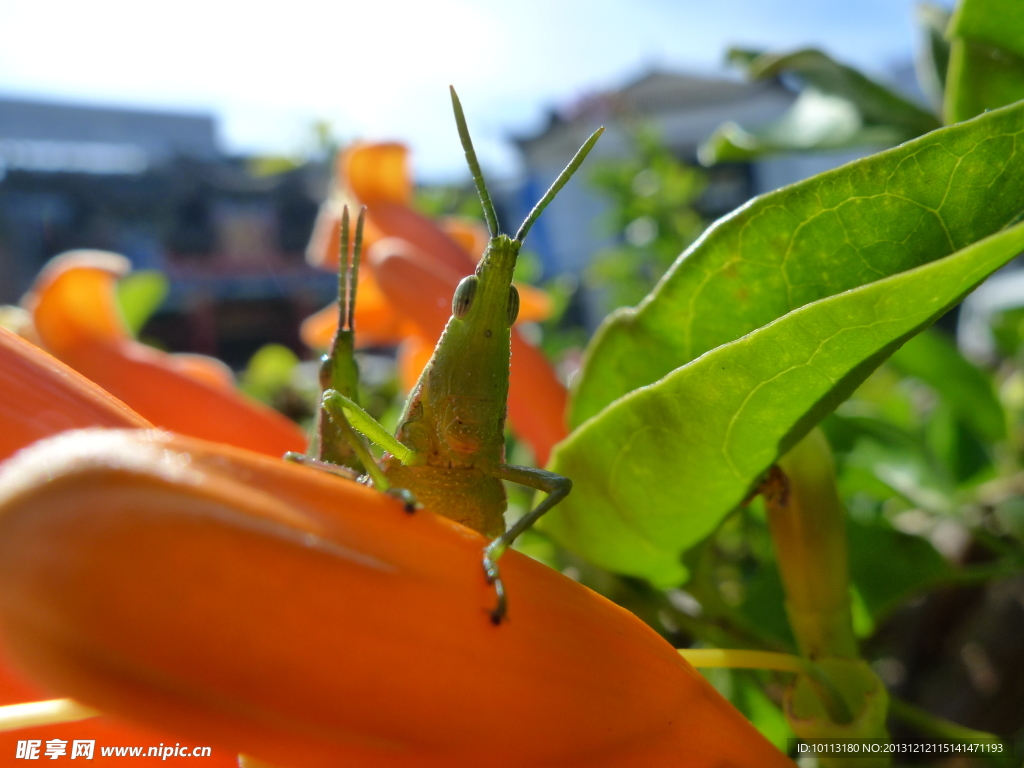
685 110
155 187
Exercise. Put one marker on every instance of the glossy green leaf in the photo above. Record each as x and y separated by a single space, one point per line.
140 294
878 104
816 121
999 23
986 66
981 77
869 219
839 107
967 390
657 471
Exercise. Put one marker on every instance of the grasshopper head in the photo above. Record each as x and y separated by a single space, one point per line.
487 296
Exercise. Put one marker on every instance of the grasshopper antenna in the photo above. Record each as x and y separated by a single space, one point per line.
344 276
474 167
349 271
563 177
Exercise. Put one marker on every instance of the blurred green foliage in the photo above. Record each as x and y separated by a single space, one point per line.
651 195
139 296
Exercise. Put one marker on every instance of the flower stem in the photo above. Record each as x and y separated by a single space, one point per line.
740 659
779 662
931 725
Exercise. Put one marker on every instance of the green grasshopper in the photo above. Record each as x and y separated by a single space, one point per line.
449 448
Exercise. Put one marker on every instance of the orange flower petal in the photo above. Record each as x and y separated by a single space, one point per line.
536 399
15 688
309 621
317 331
141 377
422 287
399 221
325 240
413 356
378 173
162 389
534 304
470 234
203 368
378 324
42 396
73 299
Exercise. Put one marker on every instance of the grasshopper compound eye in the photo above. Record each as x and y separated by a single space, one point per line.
463 298
513 305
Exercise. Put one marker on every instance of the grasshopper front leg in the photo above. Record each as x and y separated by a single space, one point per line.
349 417
324 466
555 486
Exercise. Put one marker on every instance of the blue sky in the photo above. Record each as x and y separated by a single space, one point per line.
378 69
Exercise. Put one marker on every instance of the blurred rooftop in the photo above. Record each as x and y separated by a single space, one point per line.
41 135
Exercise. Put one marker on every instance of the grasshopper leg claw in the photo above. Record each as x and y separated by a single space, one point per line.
493 575
409 503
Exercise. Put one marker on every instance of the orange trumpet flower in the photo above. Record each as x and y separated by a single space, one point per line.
308 621
42 397
377 176
76 319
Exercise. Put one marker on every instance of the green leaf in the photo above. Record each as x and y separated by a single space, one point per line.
986 66
269 370
981 77
139 295
742 57
968 391
888 566
765 605
965 459
869 219
878 104
763 713
839 108
816 121
658 470
998 23
897 462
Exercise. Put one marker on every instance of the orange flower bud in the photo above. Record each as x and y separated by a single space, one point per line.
308 621
377 172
